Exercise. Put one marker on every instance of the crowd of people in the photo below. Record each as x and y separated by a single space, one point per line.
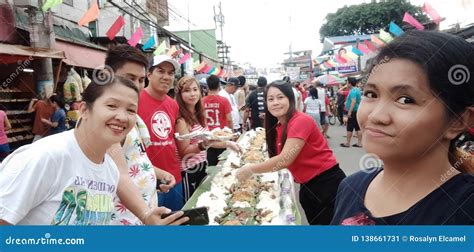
122 164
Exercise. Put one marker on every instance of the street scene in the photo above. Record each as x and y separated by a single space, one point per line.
236 113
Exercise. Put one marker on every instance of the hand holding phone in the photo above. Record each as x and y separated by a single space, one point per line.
197 216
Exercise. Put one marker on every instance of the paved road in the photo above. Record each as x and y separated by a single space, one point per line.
348 158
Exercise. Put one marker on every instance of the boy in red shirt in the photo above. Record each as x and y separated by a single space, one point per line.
218 114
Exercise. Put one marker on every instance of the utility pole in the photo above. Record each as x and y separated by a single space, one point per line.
189 66
219 20
42 36
291 43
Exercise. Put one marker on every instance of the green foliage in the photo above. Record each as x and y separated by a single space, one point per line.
368 18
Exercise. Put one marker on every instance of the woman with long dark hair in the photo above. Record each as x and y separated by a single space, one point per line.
192 154
295 142
417 101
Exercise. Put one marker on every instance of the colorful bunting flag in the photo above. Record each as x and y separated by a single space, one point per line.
90 15
149 44
171 51
363 48
136 36
357 51
200 67
178 52
385 36
370 45
160 49
412 21
184 58
432 13
115 28
216 71
377 41
221 73
395 29
211 70
50 4
205 69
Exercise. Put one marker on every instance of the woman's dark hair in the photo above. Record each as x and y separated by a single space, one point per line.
96 90
448 62
58 100
313 92
271 121
119 55
188 116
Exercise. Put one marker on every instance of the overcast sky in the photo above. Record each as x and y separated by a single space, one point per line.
260 31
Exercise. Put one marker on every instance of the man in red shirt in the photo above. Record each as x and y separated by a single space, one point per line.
159 112
218 114
44 110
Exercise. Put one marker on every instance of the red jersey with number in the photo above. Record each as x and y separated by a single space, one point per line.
160 118
216 109
315 157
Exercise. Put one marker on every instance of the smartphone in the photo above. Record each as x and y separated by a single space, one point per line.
197 216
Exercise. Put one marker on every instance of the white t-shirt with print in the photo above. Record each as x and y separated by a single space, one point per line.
140 171
52 182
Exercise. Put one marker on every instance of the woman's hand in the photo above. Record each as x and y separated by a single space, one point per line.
164 175
153 217
244 173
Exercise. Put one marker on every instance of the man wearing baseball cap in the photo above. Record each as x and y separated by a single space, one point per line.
228 92
159 112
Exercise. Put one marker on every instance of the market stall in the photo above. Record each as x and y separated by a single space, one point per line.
266 199
18 86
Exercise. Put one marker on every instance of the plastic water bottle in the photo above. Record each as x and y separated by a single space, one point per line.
290 217
286 184
287 202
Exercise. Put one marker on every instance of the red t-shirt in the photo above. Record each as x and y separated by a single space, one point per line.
42 110
216 109
160 118
315 156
